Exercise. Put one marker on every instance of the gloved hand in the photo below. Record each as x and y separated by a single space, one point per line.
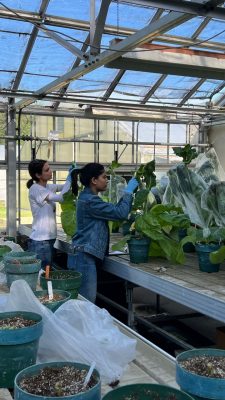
131 186
71 169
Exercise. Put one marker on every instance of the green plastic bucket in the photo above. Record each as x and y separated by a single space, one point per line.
138 249
203 251
93 393
21 256
67 280
28 272
201 386
54 304
18 347
146 391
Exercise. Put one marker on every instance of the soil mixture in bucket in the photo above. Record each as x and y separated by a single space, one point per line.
15 323
60 275
57 382
45 298
209 366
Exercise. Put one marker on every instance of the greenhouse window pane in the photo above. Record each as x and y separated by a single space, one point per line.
189 27
129 16
177 133
6 79
2 198
79 9
27 5
213 31
48 56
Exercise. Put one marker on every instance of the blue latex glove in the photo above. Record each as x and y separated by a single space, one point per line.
71 169
131 186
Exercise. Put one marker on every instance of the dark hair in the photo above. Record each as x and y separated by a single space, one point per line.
35 167
89 171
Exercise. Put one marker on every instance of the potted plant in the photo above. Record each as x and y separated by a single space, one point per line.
66 280
19 337
201 196
140 391
53 303
62 379
157 224
201 372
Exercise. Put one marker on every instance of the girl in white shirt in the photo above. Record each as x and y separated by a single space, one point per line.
42 197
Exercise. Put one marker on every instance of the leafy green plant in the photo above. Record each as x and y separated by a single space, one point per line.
187 152
161 224
68 213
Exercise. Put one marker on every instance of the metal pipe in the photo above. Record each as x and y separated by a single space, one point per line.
122 142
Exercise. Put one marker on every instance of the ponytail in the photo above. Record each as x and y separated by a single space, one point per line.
74 185
29 183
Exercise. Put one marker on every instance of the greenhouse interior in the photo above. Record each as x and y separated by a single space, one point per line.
112 199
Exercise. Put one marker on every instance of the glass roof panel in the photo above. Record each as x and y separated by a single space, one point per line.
207 89
76 9
188 27
48 57
215 31
6 79
27 5
12 45
33 82
124 98
139 78
129 15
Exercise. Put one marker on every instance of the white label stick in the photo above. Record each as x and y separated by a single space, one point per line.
50 291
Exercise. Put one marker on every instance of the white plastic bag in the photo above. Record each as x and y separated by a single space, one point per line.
77 331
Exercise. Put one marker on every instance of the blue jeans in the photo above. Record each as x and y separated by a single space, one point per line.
43 249
86 264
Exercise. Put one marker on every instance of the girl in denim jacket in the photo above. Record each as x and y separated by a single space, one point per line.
91 239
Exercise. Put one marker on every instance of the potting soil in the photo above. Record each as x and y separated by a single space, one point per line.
57 382
209 366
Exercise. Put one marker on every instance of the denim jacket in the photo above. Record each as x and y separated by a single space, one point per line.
93 214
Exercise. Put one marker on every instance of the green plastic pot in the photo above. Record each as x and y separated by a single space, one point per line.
18 347
146 391
92 394
203 251
138 249
201 387
67 280
28 272
54 305
21 256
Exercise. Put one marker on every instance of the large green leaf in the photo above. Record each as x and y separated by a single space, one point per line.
217 257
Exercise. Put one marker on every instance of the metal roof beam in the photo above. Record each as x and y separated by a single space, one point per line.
113 85
99 26
174 61
207 9
191 92
153 89
142 36
65 43
118 104
109 29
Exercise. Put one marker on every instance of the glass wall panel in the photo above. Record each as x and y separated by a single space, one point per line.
25 211
84 129
2 200
3 127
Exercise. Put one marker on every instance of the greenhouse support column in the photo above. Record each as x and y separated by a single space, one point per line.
11 171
